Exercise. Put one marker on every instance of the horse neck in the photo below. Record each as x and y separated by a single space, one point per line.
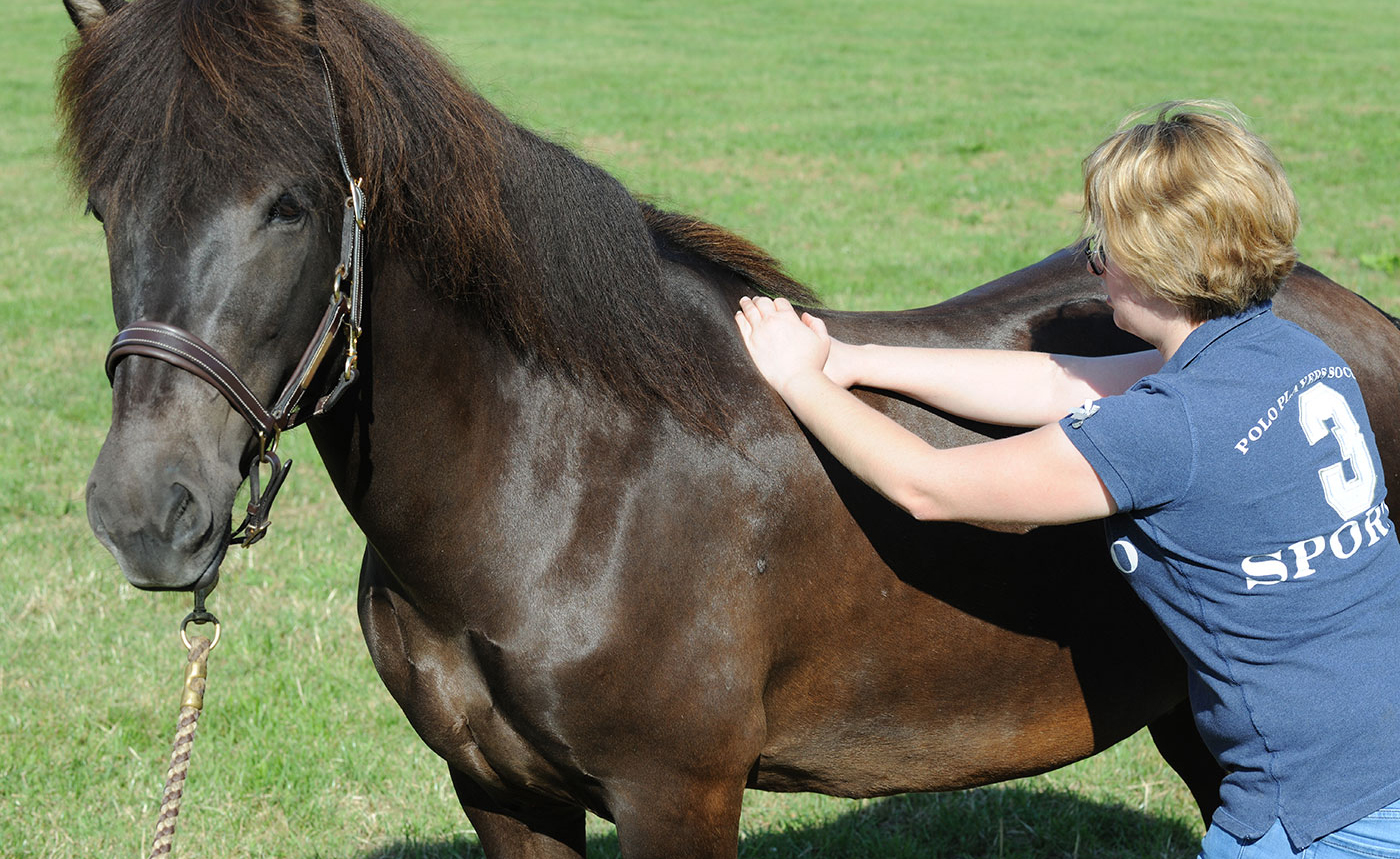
422 388
444 415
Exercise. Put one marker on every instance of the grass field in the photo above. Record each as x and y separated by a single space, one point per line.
892 153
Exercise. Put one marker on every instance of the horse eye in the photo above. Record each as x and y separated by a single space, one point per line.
90 209
287 210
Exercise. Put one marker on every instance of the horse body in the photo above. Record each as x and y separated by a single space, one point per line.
605 568
585 605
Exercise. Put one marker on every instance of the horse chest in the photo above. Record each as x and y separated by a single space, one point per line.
439 683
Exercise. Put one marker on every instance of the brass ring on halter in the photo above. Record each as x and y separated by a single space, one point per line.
199 617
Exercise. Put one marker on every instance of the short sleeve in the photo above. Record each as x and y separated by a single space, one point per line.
1139 443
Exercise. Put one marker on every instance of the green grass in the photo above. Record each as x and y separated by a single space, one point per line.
891 153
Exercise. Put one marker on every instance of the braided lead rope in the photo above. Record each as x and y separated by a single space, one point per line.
191 704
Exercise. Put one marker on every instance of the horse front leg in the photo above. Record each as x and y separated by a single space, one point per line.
548 832
656 818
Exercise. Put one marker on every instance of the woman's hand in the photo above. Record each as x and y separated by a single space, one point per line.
783 345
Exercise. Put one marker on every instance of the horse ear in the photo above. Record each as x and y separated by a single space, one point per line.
86 13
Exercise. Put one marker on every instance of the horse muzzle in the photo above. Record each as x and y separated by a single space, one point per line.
166 525
160 494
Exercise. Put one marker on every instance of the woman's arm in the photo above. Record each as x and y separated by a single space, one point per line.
999 386
1034 478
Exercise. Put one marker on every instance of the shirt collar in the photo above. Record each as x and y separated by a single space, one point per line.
1211 330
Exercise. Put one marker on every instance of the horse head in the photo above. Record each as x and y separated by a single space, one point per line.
203 143
206 142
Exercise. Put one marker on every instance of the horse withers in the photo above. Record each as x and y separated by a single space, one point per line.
605 569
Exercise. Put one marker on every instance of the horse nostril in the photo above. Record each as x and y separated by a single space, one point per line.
186 524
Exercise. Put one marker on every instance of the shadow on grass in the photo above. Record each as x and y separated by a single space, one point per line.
1004 821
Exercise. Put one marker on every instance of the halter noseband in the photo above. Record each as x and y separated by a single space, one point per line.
176 346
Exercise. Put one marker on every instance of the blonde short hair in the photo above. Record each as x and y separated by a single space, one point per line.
1193 207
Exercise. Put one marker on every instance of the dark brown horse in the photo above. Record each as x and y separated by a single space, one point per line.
605 569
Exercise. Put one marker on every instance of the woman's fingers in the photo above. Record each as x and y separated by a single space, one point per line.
765 305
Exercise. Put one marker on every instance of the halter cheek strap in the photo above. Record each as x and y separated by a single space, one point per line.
352 254
176 346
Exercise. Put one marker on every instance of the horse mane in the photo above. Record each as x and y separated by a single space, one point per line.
552 253
728 250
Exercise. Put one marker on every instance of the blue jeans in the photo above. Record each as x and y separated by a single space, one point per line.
1375 836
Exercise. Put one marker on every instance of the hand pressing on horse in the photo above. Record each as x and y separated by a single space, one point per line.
840 364
783 345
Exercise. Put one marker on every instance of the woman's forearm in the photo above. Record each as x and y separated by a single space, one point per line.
1029 479
999 386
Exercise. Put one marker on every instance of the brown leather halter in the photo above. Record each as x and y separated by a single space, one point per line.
179 347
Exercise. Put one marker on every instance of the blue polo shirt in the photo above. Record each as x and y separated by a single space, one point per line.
1253 524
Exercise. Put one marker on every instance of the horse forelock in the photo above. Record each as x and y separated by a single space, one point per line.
554 254
180 98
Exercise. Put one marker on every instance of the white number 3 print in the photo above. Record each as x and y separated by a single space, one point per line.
1349 496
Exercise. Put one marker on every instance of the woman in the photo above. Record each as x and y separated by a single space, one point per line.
1234 463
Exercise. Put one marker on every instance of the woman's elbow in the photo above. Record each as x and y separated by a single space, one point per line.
922 505
926 509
